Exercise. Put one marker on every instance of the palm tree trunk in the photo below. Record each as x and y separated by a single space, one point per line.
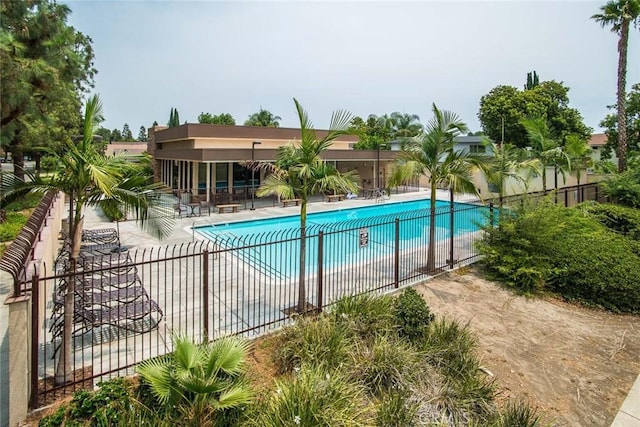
544 179
302 294
622 82
63 368
431 250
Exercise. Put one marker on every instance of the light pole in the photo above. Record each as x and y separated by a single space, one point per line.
384 144
253 171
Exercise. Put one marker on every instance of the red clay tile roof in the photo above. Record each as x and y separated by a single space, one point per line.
598 140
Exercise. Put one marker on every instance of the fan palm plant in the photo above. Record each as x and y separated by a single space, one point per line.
90 178
200 380
432 154
300 172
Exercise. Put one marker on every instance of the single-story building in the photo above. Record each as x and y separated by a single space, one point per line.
206 159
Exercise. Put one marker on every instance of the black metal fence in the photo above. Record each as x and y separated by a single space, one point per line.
127 305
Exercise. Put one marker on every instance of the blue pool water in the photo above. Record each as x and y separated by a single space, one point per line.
342 233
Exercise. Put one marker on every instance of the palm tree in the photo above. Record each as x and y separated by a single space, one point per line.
579 154
432 154
200 380
263 118
546 149
506 162
619 15
300 172
89 178
405 125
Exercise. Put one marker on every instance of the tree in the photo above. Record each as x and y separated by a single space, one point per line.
506 162
263 118
432 154
89 178
142 134
300 172
174 118
532 81
46 65
126 133
619 15
579 154
546 149
374 133
405 125
116 135
504 107
220 119
155 123
199 380
610 124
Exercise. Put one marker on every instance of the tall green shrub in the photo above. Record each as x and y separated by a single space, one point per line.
412 315
564 250
622 219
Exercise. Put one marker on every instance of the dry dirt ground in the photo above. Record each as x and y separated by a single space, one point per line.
575 364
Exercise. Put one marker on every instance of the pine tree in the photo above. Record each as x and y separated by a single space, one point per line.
142 134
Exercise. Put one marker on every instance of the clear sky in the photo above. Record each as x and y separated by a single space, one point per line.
365 57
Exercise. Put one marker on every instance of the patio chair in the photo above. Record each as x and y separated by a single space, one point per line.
181 210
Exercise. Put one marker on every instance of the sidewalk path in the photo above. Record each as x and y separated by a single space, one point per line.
629 414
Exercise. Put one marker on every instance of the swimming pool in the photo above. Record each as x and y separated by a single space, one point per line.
263 242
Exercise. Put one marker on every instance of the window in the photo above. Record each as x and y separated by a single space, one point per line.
477 149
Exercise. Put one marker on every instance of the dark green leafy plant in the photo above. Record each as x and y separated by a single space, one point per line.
108 405
546 247
624 188
412 315
621 219
12 226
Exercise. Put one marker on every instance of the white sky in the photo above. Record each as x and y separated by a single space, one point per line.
365 57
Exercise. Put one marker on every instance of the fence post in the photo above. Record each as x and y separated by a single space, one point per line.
319 302
596 195
35 338
205 294
18 382
451 228
396 266
491 215
566 198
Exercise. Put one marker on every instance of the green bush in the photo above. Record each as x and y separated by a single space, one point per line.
624 188
11 228
466 392
108 405
412 315
600 270
621 219
517 413
568 252
388 364
365 315
200 381
311 341
314 398
395 410
29 201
